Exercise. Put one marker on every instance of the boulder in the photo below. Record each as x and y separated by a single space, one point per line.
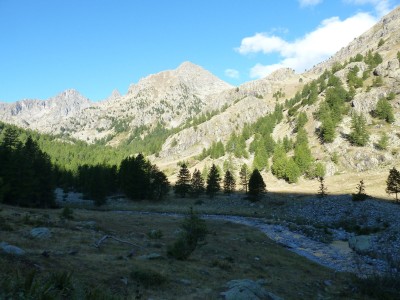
246 289
360 243
40 233
10 249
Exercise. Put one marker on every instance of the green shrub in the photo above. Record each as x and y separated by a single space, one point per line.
155 234
194 230
391 96
383 142
67 213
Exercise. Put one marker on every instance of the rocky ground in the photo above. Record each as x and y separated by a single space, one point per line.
359 237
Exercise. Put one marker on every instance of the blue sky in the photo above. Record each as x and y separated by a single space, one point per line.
47 46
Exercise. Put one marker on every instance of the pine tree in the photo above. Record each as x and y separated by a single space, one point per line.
384 110
260 157
393 182
197 184
360 195
327 130
279 162
213 181
303 157
256 185
244 177
383 142
292 171
134 177
159 186
322 192
359 135
183 184
229 183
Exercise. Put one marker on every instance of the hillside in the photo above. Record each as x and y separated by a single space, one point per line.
181 115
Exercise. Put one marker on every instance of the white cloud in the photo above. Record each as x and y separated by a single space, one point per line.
382 7
232 73
261 42
304 3
314 47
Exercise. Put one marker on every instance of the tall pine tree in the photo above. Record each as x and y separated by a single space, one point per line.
393 182
244 177
213 181
183 184
197 184
229 183
257 185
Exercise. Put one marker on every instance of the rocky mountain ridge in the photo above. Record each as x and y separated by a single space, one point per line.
196 109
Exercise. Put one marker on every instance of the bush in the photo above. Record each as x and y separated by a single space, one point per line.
67 213
194 230
155 234
383 142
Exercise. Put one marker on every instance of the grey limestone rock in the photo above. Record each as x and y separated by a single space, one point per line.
40 233
246 289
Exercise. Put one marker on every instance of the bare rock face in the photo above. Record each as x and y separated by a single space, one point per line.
44 115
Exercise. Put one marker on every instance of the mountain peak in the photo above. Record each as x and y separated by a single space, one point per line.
197 79
188 66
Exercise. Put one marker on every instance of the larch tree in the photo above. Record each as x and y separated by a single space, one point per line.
393 183
229 183
197 184
257 185
183 184
244 175
213 181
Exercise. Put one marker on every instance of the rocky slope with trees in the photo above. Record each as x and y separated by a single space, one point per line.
341 116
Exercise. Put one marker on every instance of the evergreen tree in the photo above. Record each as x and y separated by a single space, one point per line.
260 160
213 181
287 144
26 171
244 175
301 121
352 78
322 192
384 110
183 184
360 195
256 185
302 157
316 170
159 184
327 130
279 162
134 177
383 142
229 183
359 135
292 171
393 182
197 184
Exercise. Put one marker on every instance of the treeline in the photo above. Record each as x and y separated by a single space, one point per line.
195 184
28 175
